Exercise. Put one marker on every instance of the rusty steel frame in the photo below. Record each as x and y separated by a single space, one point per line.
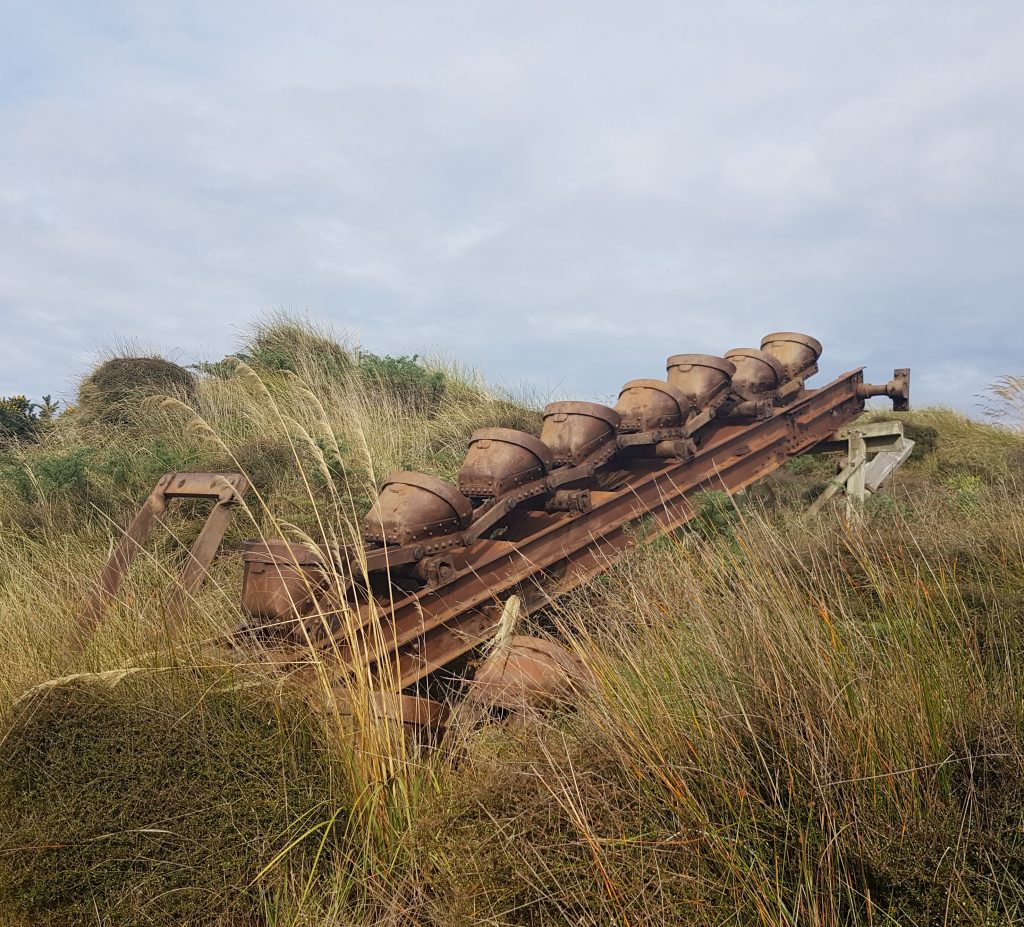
225 489
556 531
429 629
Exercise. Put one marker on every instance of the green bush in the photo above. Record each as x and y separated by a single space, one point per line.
288 344
405 378
717 515
53 476
22 420
925 438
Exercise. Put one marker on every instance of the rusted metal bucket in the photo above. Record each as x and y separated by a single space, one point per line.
500 459
528 672
573 430
702 378
279 576
648 404
414 506
757 372
795 351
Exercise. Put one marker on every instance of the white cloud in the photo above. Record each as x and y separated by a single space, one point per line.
565 194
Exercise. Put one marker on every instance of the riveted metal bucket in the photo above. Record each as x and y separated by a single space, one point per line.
573 430
529 672
500 459
795 351
414 506
279 576
757 372
702 378
648 404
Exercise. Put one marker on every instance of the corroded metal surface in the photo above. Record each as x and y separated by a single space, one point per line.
414 506
573 430
500 459
647 404
757 372
533 516
223 489
797 352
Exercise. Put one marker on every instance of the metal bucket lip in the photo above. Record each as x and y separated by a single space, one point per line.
721 364
763 356
808 341
462 507
522 439
591 409
661 386
282 553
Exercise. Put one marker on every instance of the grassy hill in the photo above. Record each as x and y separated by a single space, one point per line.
796 720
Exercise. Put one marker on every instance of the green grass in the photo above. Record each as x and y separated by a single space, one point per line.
153 800
793 721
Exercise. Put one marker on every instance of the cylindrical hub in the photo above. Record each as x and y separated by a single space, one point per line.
574 430
570 500
795 351
701 378
648 404
414 506
500 459
680 448
757 372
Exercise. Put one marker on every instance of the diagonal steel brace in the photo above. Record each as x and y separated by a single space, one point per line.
224 488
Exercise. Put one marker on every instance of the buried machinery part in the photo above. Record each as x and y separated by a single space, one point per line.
528 672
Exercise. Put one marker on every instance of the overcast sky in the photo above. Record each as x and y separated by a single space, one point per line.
561 194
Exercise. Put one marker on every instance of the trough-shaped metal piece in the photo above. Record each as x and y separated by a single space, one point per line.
574 430
500 459
796 352
413 507
648 404
703 378
280 577
758 373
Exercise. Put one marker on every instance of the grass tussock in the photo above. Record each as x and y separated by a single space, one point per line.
158 800
794 721
810 726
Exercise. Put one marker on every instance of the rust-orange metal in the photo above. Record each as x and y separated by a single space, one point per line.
531 516
223 489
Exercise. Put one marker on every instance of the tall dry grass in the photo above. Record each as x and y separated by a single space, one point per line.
792 721
793 724
315 431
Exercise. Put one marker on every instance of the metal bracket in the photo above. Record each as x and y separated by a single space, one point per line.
224 488
897 389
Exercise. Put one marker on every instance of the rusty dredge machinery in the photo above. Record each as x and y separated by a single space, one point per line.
531 517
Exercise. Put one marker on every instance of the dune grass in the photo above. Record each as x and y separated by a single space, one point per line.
794 721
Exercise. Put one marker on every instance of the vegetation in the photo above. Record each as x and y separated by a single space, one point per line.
794 720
